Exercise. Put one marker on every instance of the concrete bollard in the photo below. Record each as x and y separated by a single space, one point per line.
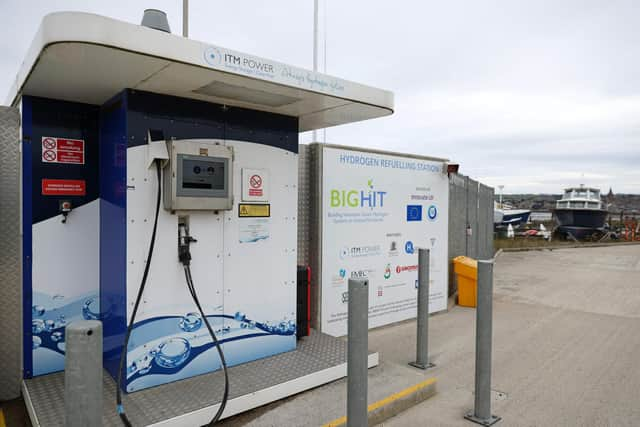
484 332
357 352
83 374
422 336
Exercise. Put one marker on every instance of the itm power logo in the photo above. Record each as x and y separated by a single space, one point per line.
354 198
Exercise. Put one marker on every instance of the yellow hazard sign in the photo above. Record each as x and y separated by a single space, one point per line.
246 210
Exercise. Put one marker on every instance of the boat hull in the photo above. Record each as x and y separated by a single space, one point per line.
509 217
580 221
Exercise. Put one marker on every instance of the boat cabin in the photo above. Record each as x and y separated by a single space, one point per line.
580 198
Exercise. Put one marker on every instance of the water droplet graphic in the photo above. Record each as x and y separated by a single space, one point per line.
252 324
239 316
61 320
49 325
226 329
36 342
37 326
244 325
190 322
56 336
173 352
91 309
38 310
143 364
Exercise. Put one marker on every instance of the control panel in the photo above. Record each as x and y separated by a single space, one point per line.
198 176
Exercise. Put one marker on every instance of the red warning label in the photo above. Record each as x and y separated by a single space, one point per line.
62 150
64 187
256 185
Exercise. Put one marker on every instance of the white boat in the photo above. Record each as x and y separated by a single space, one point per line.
580 212
504 214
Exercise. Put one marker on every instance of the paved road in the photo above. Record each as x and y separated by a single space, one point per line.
566 343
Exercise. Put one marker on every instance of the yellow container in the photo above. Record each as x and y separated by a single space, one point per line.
467 271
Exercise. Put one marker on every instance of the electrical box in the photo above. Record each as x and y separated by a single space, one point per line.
198 176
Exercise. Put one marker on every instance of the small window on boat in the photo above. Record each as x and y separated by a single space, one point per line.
593 204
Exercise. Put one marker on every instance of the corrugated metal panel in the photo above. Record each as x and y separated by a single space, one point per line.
315 236
304 205
10 266
470 204
485 222
457 223
472 218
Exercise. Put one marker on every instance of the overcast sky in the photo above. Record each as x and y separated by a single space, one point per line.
532 95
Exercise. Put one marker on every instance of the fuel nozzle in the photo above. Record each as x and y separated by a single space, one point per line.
184 240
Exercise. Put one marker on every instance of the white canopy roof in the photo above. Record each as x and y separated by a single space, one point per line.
89 58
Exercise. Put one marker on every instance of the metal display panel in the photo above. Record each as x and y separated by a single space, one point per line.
10 250
376 209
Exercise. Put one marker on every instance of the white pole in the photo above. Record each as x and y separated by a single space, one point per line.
185 18
315 51
324 131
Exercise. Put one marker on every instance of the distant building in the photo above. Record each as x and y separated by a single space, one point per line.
610 197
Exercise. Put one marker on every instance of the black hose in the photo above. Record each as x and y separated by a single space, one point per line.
192 291
225 395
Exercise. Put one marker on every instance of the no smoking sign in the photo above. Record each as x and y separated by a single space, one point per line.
255 185
62 150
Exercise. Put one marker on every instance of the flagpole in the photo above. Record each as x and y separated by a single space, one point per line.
314 137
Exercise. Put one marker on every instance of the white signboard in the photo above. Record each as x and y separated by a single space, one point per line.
377 211
255 185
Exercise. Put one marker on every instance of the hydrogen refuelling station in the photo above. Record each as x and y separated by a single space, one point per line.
159 195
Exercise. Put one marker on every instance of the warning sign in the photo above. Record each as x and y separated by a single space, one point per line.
64 187
254 211
62 150
254 185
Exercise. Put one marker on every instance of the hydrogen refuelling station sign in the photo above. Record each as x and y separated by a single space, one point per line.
377 210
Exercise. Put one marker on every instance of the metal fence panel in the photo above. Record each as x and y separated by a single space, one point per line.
470 221
485 222
10 250
472 218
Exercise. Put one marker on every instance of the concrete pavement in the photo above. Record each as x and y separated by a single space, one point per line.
566 343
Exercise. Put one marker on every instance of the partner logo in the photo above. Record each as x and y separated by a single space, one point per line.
345 297
359 251
387 272
432 212
403 268
365 198
414 212
339 278
408 247
361 274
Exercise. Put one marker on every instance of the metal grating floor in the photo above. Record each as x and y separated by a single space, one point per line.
314 353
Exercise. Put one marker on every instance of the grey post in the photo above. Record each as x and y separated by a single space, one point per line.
83 374
422 339
484 330
357 352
